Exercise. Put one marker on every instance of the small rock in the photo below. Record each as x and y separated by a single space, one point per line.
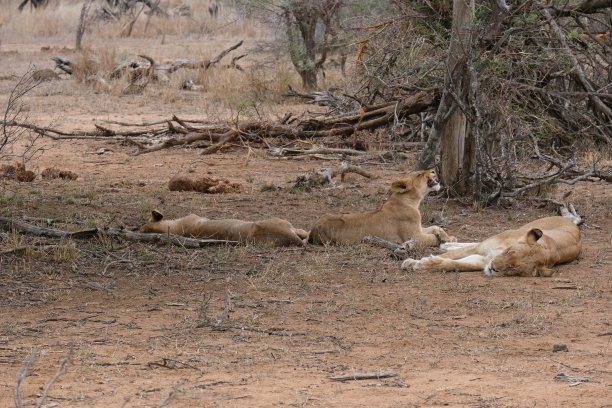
559 347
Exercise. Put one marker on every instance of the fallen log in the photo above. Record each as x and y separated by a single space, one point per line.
9 224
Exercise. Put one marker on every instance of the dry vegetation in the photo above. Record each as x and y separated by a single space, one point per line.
104 321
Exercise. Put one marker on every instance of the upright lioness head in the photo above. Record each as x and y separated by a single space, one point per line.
152 226
523 258
422 182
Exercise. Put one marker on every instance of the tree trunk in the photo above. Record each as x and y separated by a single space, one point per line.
82 23
452 150
309 79
451 128
301 21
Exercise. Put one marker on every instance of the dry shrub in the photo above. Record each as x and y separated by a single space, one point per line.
17 172
208 185
94 62
51 173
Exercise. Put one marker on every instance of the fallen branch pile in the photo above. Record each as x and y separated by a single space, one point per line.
140 72
179 132
160 72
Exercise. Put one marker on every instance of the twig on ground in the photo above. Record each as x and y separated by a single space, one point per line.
226 310
225 326
170 363
61 370
21 375
365 376
176 388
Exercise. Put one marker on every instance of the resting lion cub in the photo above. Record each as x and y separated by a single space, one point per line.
530 250
398 220
273 231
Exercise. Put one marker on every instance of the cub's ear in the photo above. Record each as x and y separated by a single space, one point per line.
156 215
399 186
533 235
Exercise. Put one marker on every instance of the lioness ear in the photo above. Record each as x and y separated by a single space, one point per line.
398 186
533 235
545 272
156 215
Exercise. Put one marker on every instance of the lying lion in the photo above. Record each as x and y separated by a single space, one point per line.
530 250
398 220
273 231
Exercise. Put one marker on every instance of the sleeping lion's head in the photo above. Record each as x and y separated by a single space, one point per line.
523 258
153 225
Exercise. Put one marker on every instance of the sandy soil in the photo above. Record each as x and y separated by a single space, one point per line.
124 324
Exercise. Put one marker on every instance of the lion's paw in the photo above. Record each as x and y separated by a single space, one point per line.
409 264
429 262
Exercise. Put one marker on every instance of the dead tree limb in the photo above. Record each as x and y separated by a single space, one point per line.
9 224
288 152
311 128
225 326
586 7
368 118
61 370
164 238
21 375
82 23
222 54
602 107
345 168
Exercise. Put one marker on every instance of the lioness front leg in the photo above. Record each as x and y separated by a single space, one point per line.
426 240
440 233
437 263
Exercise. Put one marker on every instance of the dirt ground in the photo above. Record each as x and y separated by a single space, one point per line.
109 323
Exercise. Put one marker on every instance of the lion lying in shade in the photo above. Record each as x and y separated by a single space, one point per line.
273 231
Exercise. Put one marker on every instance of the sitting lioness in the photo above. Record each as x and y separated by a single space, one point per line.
273 231
530 250
398 220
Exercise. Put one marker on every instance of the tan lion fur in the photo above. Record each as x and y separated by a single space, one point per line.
52 173
273 231
530 250
398 220
203 184
17 172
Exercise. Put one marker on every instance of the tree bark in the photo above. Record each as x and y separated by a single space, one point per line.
82 23
451 130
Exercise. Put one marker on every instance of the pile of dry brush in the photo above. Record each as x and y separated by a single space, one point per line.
540 84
